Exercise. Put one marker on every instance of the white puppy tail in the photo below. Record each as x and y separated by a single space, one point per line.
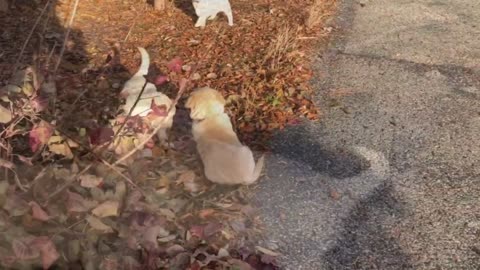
143 70
258 169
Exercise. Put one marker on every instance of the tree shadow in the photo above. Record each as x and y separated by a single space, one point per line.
46 40
296 143
365 242
186 7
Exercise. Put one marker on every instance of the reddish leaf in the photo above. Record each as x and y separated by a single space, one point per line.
39 135
37 212
101 135
47 249
175 65
197 231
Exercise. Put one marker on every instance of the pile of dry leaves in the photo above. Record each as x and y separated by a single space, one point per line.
67 202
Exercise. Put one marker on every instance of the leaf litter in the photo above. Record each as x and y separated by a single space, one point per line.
64 205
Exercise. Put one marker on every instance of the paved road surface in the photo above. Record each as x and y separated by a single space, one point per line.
390 178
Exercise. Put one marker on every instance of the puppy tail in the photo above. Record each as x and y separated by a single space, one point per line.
258 168
143 70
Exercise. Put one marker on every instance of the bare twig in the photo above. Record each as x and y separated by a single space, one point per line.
67 34
30 36
67 184
128 116
130 30
108 164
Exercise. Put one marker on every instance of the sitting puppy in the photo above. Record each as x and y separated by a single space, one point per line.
225 159
150 96
208 9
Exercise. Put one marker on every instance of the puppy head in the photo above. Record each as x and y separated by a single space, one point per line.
205 102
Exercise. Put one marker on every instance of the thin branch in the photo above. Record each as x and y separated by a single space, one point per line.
127 118
67 34
67 184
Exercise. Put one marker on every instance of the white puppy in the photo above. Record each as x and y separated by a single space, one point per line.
225 159
208 9
132 89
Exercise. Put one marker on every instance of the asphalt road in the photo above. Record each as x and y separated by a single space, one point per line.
390 176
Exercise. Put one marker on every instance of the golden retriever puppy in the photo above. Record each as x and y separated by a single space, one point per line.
226 161
150 95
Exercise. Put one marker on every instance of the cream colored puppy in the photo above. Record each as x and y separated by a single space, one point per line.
132 89
225 159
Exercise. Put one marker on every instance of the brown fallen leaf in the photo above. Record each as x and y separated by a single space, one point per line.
37 212
89 180
39 135
47 249
151 234
106 209
5 115
23 249
98 225
76 203
57 145
15 205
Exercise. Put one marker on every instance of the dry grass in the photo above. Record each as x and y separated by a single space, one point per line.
319 11
284 44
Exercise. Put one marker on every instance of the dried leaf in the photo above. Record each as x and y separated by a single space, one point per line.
57 145
89 180
39 135
106 209
175 65
129 263
7 258
212 228
76 203
174 250
98 225
5 115
109 263
151 234
24 250
197 231
101 135
48 251
15 205
37 212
